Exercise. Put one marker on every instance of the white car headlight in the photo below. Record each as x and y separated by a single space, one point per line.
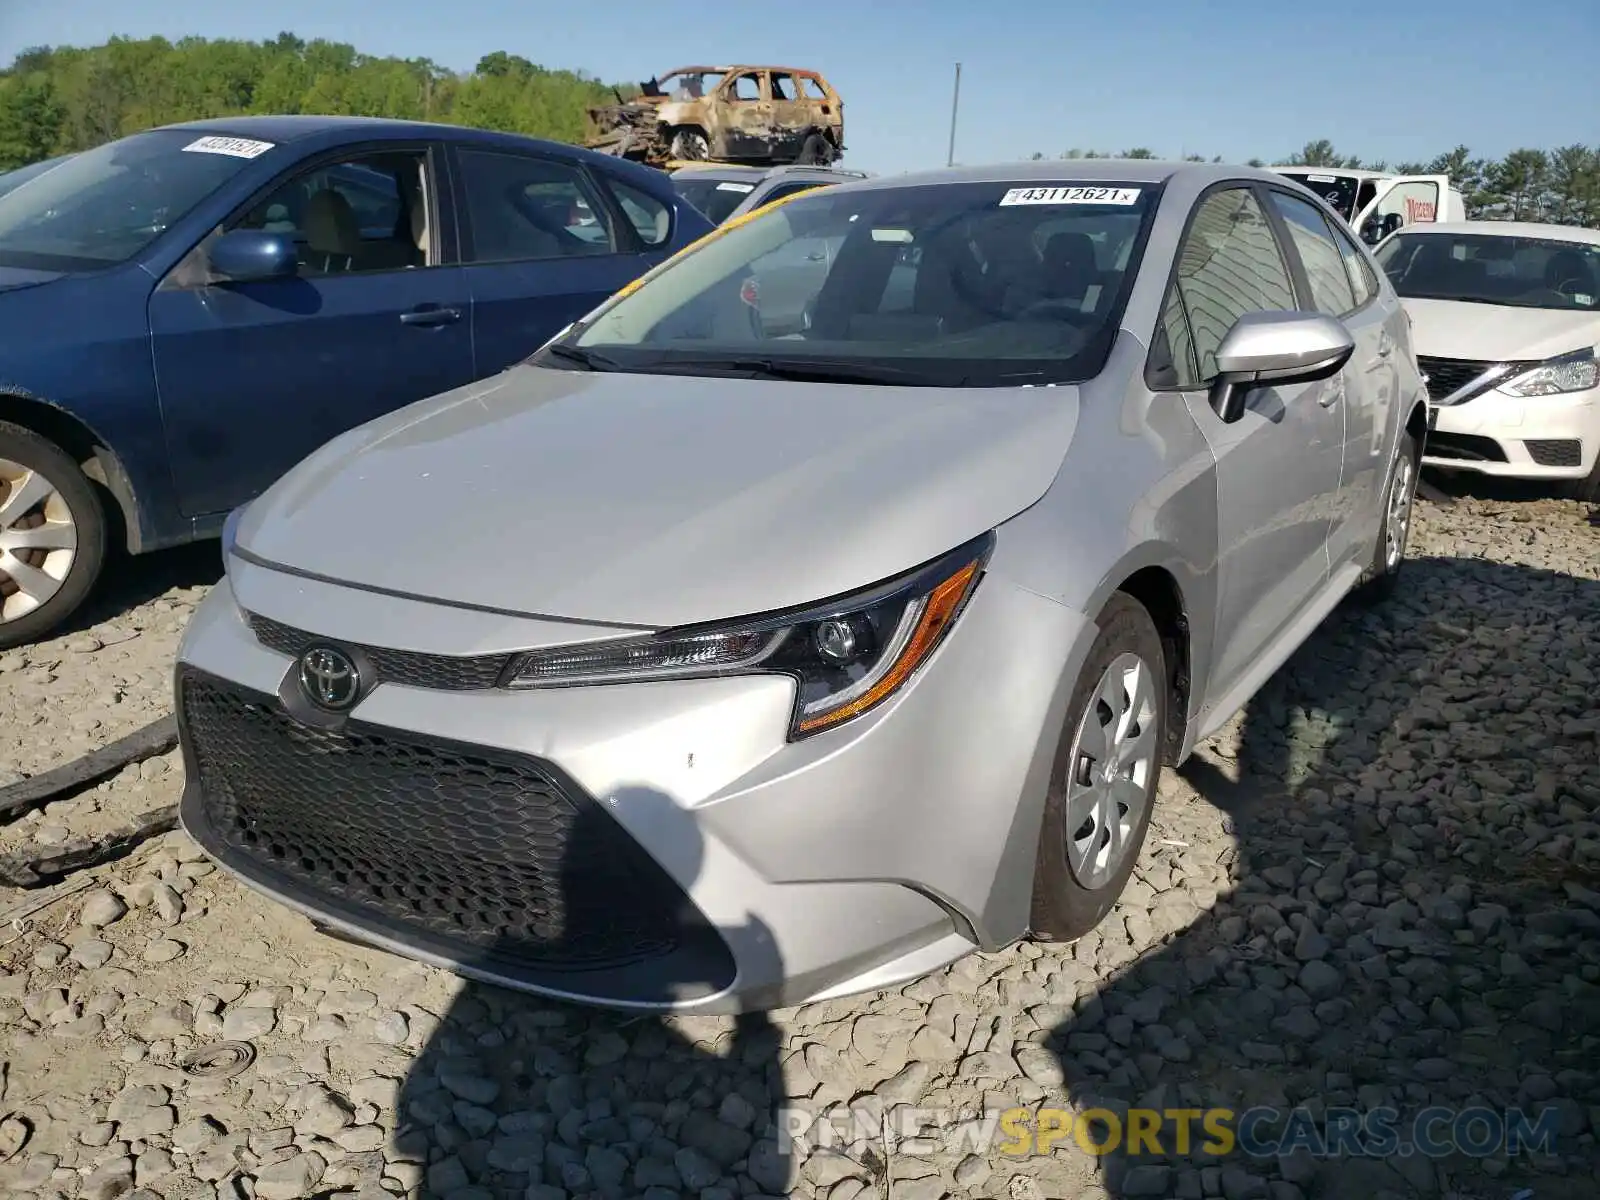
1575 372
846 655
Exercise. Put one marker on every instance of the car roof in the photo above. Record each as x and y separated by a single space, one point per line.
741 67
1063 172
1529 229
1354 172
719 171
293 127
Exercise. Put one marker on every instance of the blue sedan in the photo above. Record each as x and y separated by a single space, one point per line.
191 310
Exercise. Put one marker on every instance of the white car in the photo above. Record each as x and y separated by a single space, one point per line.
1506 322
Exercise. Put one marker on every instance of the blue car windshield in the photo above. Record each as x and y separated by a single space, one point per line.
106 205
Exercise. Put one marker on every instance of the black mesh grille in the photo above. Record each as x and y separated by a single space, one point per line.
1464 446
441 672
1556 452
1447 375
482 857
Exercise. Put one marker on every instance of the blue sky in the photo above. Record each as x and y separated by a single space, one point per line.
1240 78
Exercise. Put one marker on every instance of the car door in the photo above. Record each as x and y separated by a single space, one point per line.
1278 465
1399 202
1368 380
543 243
254 376
747 110
791 115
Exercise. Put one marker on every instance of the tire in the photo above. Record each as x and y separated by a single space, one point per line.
1382 577
59 500
690 145
1586 490
1077 878
816 151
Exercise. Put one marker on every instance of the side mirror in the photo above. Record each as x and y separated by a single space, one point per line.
1276 347
251 255
1372 232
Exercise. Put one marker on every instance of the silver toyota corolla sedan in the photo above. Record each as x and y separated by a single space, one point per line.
699 663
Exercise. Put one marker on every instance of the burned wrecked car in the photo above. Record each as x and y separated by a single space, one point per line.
743 114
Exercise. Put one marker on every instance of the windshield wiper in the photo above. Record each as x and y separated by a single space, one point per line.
587 359
819 370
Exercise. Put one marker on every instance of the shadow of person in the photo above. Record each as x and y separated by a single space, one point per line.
1405 925
518 1096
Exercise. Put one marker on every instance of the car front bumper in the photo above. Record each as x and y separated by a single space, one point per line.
1542 437
650 846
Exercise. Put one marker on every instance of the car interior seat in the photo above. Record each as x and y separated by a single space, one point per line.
333 235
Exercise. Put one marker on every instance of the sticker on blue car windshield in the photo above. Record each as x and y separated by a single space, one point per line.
232 146
1070 195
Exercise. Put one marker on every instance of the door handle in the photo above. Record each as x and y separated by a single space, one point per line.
1385 346
1329 396
430 315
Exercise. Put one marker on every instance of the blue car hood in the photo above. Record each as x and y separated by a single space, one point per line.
12 278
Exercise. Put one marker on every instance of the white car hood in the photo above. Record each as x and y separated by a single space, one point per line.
1497 332
659 500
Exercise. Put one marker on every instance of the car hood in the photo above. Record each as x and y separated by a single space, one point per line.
1497 332
12 278
659 500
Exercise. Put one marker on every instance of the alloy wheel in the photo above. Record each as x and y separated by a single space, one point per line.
38 540
1113 760
1397 520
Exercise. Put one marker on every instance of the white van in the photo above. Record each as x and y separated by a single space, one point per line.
1376 203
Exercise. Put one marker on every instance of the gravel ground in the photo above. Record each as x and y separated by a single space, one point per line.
1380 886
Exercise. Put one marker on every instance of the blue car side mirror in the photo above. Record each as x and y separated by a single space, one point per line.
248 255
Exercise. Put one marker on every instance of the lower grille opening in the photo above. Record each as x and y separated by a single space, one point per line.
1464 446
482 859
1555 452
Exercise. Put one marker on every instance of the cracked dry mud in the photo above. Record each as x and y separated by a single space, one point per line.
1379 886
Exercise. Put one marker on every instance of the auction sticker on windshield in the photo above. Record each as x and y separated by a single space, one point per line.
232 146
1070 195
736 187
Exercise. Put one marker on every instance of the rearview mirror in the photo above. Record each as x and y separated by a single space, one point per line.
1276 347
251 255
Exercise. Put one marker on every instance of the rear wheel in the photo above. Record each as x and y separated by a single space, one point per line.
1382 576
52 536
816 151
1103 783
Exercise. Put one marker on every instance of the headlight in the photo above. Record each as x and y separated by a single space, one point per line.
1575 372
846 655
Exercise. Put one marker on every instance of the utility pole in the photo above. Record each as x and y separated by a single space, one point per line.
955 103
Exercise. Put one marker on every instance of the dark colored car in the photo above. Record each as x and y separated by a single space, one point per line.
192 310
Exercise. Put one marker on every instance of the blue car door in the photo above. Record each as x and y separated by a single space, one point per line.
255 376
544 241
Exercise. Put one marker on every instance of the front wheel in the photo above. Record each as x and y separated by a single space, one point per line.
52 536
1103 784
690 145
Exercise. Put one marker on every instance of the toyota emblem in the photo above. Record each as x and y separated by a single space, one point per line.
329 678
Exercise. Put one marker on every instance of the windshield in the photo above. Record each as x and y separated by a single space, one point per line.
957 285
689 85
1520 272
1339 191
12 180
716 198
106 205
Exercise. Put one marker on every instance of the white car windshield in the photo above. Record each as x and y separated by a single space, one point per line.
106 205
1479 268
957 285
